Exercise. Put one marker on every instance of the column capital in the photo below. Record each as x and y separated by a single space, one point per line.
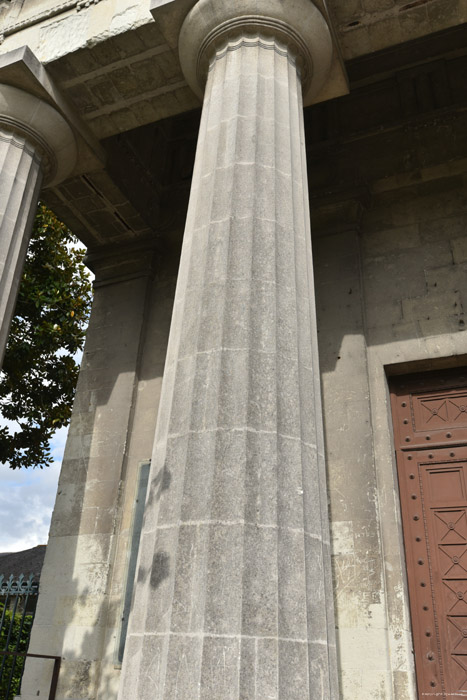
44 129
298 25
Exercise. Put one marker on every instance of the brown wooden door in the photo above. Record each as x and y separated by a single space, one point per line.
430 430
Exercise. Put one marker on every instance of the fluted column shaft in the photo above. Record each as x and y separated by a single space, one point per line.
36 146
20 182
233 596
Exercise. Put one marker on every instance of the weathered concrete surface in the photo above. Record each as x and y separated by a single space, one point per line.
420 322
109 58
232 597
369 664
364 665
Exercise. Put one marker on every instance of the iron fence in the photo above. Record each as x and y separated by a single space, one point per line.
18 598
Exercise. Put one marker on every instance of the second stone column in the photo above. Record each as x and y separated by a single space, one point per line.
233 597
37 146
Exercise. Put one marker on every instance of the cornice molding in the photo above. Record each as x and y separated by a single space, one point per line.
45 15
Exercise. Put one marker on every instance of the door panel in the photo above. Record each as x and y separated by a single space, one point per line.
430 430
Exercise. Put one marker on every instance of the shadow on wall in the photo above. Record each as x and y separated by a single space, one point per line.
394 292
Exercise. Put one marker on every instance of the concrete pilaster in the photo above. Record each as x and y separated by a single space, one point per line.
111 432
233 595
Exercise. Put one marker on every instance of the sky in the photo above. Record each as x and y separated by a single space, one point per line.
27 498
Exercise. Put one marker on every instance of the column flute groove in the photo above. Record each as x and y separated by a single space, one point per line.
230 592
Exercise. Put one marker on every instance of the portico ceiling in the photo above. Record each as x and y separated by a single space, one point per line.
119 67
364 26
117 70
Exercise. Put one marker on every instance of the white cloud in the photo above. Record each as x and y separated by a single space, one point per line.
27 497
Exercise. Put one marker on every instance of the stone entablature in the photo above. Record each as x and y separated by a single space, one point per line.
362 27
120 69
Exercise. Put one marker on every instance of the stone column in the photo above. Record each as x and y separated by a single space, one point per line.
36 147
233 596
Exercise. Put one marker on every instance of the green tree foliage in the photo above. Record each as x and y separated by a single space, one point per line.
16 632
39 373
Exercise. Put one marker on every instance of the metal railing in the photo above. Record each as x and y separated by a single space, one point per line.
17 607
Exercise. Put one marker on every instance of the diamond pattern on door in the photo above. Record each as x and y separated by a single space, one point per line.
456 597
436 412
458 410
451 527
461 675
453 560
459 645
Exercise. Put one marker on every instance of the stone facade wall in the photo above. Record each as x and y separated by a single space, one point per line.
390 294
390 290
